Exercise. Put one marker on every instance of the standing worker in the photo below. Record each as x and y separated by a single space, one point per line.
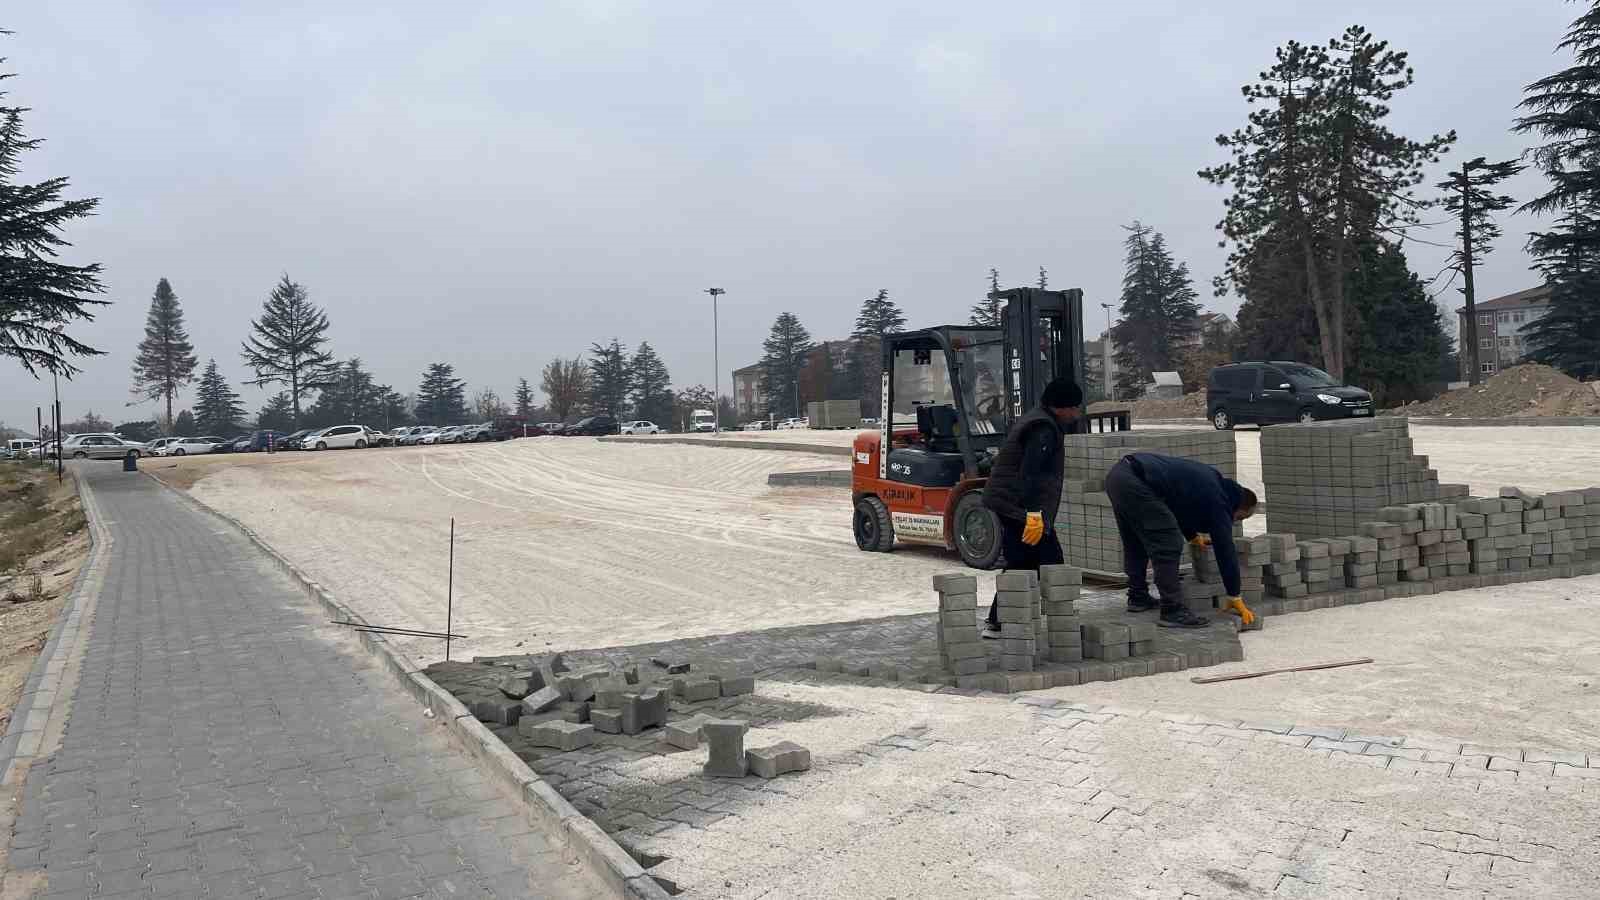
1161 501
1024 488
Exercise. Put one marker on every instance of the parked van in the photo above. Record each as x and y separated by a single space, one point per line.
18 448
1263 393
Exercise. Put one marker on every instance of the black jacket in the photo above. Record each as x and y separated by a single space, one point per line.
1202 501
1026 475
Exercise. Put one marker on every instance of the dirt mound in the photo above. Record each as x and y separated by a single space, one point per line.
1526 390
1189 406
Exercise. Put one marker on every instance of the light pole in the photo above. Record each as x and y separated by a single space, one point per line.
716 365
1105 348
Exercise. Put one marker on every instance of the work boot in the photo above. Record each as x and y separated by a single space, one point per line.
1181 617
991 631
1139 606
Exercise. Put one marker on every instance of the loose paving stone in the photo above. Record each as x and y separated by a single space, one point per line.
726 740
778 759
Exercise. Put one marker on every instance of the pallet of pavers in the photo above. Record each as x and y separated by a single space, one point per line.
1085 524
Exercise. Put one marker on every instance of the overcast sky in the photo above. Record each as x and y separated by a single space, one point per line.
491 188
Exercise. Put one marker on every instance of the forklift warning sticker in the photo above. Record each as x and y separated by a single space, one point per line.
919 528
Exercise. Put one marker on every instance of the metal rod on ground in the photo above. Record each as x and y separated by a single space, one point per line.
386 629
450 591
1212 679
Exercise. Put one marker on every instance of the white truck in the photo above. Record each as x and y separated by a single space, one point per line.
703 420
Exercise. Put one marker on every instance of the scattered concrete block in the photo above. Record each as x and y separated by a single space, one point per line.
696 689
631 675
606 721
674 666
778 759
646 709
609 691
575 689
518 685
684 733
541 700
498 710
736 685
559 735
726 740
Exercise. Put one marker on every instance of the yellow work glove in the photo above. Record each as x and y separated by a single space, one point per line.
1200 541
1033 529
1236 605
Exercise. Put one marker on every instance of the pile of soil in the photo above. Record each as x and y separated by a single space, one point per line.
1526 390
1189 406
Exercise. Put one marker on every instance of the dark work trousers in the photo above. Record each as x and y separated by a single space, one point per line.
1150 536
1021 556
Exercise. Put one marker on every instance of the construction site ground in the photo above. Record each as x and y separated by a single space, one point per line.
1457 761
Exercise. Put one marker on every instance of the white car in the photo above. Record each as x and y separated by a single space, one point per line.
750 426
188 446
445 435
640 427
100 446
793 424
339 437
155 447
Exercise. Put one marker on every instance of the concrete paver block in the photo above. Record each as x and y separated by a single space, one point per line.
606 721
778 759
541 700
726 740
559 735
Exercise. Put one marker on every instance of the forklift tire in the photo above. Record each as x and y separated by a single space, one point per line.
977 532
873 527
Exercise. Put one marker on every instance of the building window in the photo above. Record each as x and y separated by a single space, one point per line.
1516 317
1486 368
1503 317
1486 343
1485 319
1505 342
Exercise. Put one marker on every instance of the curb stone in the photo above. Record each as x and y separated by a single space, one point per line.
45 687
599 853
822 449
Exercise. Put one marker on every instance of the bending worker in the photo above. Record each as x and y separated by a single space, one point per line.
1024 488
1161 501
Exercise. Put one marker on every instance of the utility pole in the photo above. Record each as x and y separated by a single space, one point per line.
716 364
1105 348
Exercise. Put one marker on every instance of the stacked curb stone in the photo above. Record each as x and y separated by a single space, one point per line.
961 650
1017 594
1326 478
1059 587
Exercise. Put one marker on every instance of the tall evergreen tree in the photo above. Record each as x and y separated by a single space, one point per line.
277 414
1561 109
1396 338
652 386
1316 172
610 378
166 360
39 296
1158 311
350 396
441 398
986 312
1044 278
286 346
1470 198
786 347
217 409
879 316
184 425
524 398
566 383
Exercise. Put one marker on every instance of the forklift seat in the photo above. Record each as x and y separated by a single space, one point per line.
938 425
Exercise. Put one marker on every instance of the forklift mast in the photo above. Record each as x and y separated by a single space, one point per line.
1044 341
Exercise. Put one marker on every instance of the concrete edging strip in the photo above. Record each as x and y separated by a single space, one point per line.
786 446
50 684
602 855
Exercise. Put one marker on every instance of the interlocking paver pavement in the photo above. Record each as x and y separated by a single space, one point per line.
225 741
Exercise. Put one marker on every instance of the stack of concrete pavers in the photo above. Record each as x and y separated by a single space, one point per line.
1282 572
1059 588
1113 641
1204 591
1325 479
961 648
1017 595
1361 565
1088 530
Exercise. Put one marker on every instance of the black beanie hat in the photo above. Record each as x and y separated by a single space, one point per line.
1061 393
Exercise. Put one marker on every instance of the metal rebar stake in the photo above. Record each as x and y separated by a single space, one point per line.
450 591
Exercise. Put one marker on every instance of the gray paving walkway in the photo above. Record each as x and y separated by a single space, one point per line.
224 741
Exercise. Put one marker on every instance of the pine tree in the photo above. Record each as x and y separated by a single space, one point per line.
350 396
441 398
786 347
1044 278
184 425
566 383
986 312
217 409
879 316
286 346
1158 310
277 414
39 296
610 379
524 398
1316 172
652 386
166 360
1561 110
1396 338
1470 198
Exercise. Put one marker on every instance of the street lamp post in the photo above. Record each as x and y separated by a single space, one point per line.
716 364
1105 348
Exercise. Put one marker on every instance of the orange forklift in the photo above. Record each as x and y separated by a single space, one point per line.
950 394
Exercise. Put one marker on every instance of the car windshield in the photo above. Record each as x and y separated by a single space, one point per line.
1308 376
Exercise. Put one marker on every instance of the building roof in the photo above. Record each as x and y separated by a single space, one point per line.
1534 296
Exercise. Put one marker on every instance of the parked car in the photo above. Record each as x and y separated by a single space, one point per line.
259 442
415 434
99 446
445 435
186 446
376 438
639 427
158 446
21 448
230 445
551 427
472 433
291 441
793 424
339 437
1263 393
593 426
